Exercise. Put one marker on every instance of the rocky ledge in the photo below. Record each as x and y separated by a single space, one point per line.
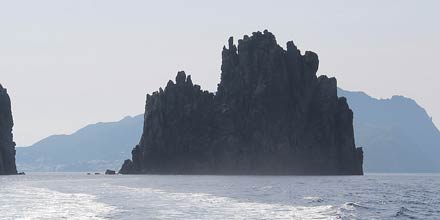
7 145
271 114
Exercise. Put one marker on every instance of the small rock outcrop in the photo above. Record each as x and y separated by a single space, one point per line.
271 114
110 172
7 145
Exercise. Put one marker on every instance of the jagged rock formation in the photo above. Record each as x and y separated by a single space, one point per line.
7 145
270 115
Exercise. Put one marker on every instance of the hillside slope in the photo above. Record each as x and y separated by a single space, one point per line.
94 147
397 134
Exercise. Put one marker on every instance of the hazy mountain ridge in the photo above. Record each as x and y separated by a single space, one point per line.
94 147
397 135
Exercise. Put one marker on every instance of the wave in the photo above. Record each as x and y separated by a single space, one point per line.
350 210
355 205
404 212
314 199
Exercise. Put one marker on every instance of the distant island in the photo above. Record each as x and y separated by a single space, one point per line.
397 135
271 114
95 147
7 145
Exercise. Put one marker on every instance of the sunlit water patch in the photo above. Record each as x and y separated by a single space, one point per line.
25 202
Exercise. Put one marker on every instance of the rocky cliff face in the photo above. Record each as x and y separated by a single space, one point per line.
7 145
271 115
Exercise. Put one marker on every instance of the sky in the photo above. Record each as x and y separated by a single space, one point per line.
69 63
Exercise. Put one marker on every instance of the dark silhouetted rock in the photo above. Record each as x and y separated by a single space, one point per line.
127 167
110 172
7 145
271 115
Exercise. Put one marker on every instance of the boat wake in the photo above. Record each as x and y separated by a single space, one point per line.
178 205
24 202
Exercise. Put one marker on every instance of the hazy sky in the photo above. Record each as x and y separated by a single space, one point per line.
70 63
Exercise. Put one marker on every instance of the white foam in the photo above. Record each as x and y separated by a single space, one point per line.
177 205
313 198
24 202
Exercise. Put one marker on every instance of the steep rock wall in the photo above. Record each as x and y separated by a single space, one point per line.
7 145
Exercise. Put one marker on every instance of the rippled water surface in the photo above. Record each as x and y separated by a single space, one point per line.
80 196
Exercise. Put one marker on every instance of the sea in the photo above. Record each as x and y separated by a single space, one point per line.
82 196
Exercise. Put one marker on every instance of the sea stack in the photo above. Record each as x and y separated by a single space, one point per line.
271 115
7 145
